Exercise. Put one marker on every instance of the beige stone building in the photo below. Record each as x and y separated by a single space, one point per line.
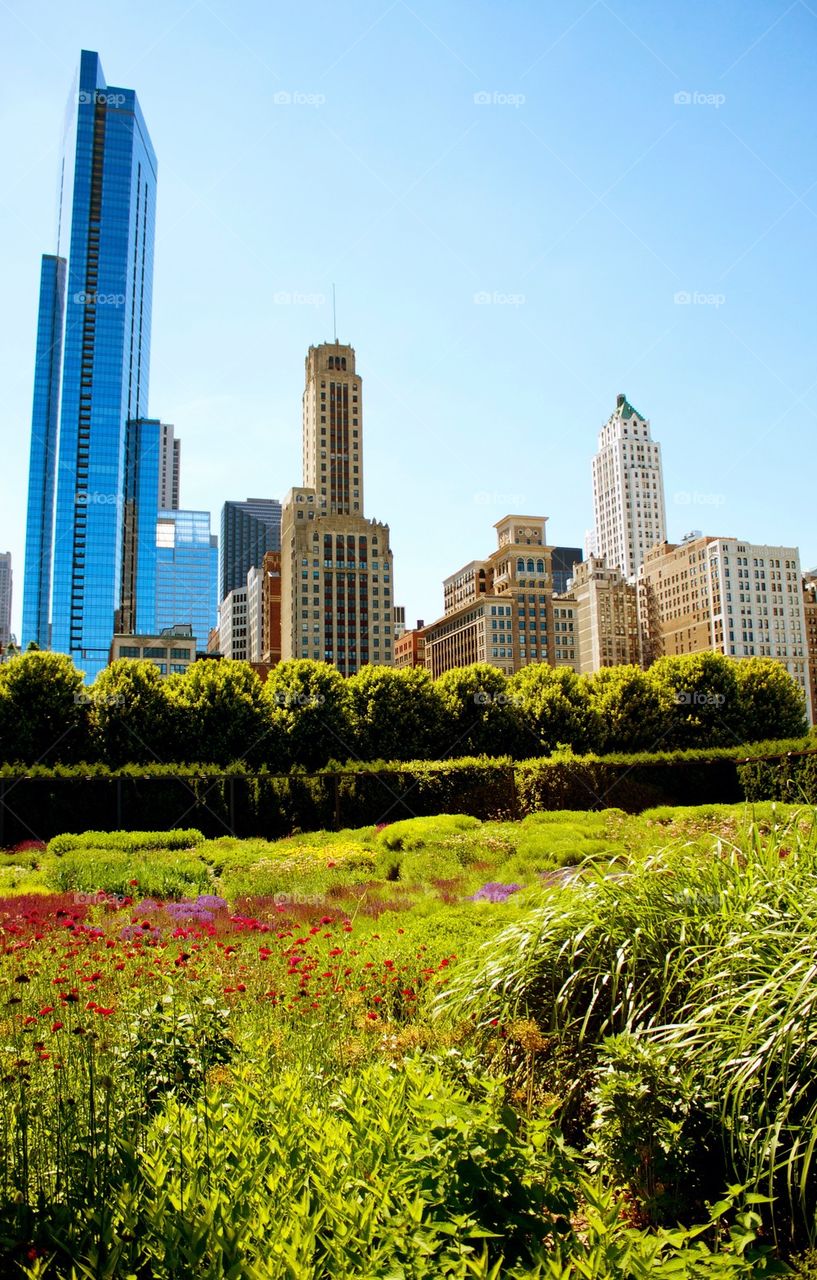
336 566
810 614
172 651
501 610
606 608
723 594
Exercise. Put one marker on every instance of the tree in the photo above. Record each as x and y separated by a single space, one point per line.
700 691
554 706
394 715
222 716
309 706
480 712
132 714
771 701
43 710
631 712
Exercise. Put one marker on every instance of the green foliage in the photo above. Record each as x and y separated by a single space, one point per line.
221 714
555 707
701 692
132 714
170 1050
710 957
630 710
92 871
309 705
770 701
43 709
125 841
394 715
481 714
414 833
388 1173
651 1129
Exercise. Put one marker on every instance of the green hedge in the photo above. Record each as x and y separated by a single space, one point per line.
40 803
126 841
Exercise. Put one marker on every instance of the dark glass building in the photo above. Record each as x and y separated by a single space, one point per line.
141 502
248 530
564 559
108 182
43 455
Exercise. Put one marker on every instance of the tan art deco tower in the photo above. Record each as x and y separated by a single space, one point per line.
336 566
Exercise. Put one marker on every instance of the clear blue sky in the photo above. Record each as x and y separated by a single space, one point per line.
581 211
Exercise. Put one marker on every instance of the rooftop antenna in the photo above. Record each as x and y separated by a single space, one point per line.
334 314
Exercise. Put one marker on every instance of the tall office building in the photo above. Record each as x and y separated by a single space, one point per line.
563 561
628 490
186 571
232 625
738 598
248 530
43 454
502 610
5 597
170 469
336 566
606 617
108 183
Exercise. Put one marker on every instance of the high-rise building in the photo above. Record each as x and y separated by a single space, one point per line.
232 625
810 612
735 597
562 561
248 530
606 616
108 182
271 608
170 468
410 647
255 614
336 566
43 454
141 501
502 610
186 557
5 598
628 490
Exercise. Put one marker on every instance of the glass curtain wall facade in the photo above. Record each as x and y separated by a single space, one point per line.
106 359
143 457
186 573
248 530
43 454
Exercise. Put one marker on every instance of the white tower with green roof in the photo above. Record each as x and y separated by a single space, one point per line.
628 490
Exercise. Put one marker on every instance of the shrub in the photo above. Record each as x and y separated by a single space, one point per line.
93 871
652 1130
125 841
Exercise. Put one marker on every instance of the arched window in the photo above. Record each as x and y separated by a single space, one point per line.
540 566
530 566
520 566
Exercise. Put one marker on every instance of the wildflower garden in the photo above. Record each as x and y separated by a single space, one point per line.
576 1045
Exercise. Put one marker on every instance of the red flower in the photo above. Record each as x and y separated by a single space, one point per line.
46 1009
105 1013
56 1026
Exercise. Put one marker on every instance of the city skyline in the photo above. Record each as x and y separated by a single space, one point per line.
719 426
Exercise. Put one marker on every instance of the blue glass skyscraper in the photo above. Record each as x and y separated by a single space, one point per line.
43 457
110 187
186 573
143 462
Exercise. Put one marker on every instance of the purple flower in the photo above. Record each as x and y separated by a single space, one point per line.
495 892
